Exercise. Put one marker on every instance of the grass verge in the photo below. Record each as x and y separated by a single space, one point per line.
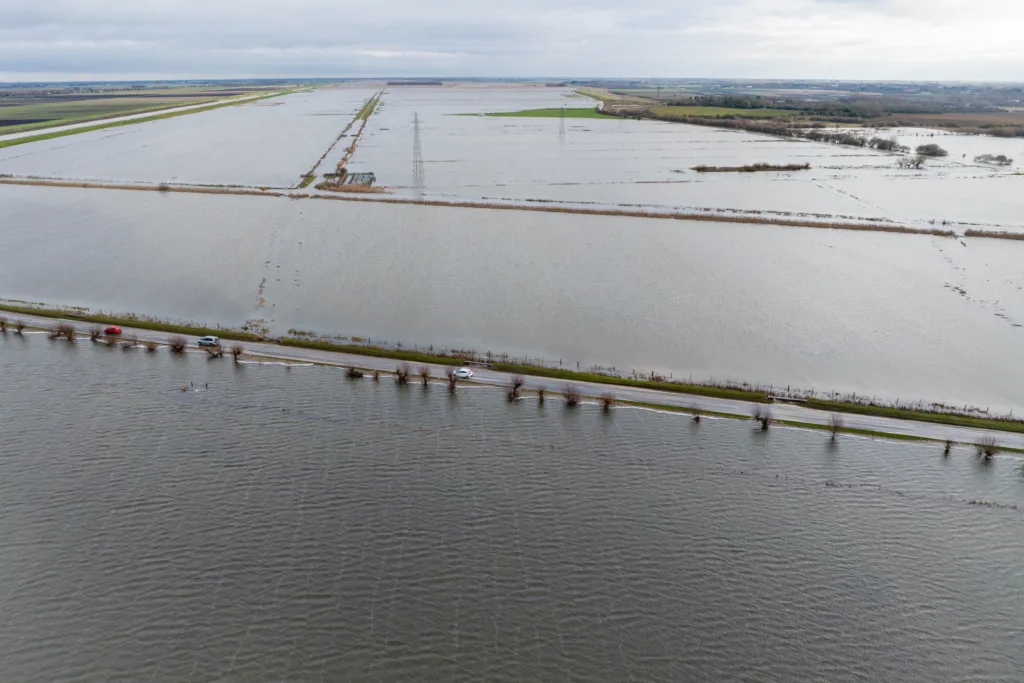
1004 425
676 387
554 113
669 112
130 122
752 168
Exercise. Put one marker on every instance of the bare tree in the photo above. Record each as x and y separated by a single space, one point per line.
607 401
453 379
987 447
177 344
540 395
376 375
835 424
95 334
948 446
236 351
216 351
515 383
425 374
763 414
572 395
151 346
3 325
19 325
402 373
352 373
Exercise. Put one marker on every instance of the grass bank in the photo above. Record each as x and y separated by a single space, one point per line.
994 234
421 357
952 419
554 113
129 321
683 112
130 122
628 213
752 168
597 378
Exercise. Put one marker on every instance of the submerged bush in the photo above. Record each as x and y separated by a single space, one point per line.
931 150
607 401
177 344
571 393
987 448
835 424
402 373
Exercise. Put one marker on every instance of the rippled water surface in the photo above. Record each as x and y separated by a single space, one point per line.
272 523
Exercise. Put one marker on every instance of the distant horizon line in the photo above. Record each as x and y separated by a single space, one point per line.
541 79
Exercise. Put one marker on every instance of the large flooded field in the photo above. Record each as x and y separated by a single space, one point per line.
892 315
887 315
289 524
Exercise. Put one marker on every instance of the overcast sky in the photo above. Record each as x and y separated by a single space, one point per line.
846 39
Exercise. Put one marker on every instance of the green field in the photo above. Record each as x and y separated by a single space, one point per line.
556 112
682 112
130 122
23 117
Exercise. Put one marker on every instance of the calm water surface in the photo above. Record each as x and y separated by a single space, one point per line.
289 524
902 316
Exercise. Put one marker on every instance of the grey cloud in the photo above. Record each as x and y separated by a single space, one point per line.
757 38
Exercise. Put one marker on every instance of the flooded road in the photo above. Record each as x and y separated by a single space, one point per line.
290 524
888 315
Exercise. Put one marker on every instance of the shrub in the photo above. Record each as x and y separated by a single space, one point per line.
95 334
237 350
987 447
215 351
177 344
425 374
948 446
453 380
572 395
763 414
835 424
402 373
540 395
352 373
515 383
607 401
19 325
63 329
376 375
931 150
3 325
151 346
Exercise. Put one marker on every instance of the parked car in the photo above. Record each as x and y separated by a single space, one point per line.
209 341
463 373
112 329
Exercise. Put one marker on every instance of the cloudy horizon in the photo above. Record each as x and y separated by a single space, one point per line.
797 39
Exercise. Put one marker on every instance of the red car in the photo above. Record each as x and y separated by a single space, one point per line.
113 329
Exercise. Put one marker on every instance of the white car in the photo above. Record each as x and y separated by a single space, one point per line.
463 373
209 341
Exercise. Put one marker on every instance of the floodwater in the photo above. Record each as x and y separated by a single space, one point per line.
268 142
618 162
288 524
593 162
891 315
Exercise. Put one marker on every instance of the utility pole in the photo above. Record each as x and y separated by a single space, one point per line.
417 152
